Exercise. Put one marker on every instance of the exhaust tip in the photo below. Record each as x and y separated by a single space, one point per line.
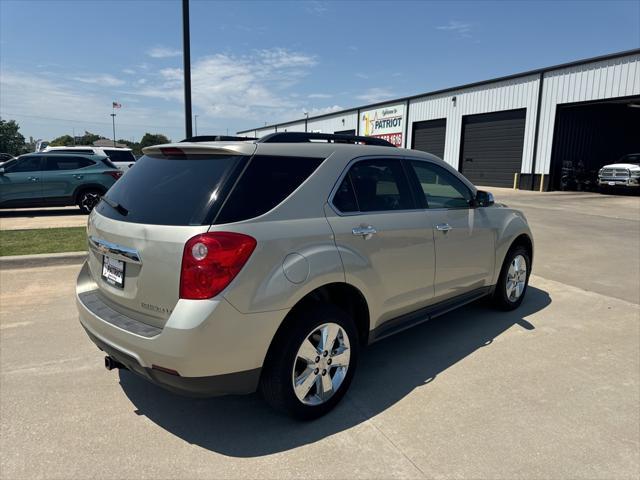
108 363
111 363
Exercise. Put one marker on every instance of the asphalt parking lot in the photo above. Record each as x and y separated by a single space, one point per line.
549 391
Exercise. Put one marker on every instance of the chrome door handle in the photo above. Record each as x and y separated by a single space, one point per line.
443 227
33 179
365 231
79 177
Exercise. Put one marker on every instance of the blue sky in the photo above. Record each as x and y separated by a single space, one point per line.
62 63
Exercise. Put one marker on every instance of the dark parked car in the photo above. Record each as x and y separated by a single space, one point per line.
51 180
5 157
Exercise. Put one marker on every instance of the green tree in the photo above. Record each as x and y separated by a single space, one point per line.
88 138
11 140
63 141
150 139
134 146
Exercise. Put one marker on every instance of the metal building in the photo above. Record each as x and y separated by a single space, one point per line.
551 125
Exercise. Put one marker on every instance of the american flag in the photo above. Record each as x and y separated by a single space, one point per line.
117 105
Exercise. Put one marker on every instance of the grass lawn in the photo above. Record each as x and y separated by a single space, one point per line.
43 240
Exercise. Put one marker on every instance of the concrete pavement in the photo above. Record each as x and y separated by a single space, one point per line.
548 391
29 218
584 239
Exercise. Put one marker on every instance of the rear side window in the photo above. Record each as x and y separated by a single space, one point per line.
345 199
180 190
266 182
379 185
120 155
66 163
73 150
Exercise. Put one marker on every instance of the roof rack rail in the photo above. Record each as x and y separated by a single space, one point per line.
216 138
303 137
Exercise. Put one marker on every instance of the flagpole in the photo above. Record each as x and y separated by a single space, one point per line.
113 120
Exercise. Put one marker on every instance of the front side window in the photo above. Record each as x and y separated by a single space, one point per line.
379 185
441 189
29 164
66 163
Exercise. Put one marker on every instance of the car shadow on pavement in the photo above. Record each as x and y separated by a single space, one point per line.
244 426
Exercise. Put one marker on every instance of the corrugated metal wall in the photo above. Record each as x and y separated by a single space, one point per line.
597 80
618 77
506 95
291 127
334 123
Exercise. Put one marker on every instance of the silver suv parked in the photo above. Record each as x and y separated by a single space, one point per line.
230 267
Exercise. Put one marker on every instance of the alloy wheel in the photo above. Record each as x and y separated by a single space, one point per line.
516 278
321 364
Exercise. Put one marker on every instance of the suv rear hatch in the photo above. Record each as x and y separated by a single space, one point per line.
138 232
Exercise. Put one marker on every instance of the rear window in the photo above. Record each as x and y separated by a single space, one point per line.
120 155
266 182
171 190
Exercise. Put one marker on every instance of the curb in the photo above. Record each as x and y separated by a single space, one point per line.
42 260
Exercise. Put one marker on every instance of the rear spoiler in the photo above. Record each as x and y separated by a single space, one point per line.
231 148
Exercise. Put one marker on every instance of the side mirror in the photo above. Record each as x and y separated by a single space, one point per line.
1 171
484 199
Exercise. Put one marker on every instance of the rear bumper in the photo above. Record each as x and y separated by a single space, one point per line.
216 385
214 348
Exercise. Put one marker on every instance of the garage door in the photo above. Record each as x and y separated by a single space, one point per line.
429 136
492 146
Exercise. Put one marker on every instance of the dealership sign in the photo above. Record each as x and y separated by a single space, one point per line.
386 123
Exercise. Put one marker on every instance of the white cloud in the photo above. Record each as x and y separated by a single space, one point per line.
129 71
227 86
316 7
48 108
375 95
104 80
163 52
363 76
455 26
320 95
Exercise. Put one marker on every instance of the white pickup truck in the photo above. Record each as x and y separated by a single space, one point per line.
122 157
625 173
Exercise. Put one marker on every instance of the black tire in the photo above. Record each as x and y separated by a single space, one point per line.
88 199
276 383
500 298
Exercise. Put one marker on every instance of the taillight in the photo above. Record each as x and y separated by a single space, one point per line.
211 260
113 173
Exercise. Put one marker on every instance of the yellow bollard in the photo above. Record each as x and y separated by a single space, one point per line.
515 181
542 182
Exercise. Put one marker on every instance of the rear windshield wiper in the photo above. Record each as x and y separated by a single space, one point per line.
116 206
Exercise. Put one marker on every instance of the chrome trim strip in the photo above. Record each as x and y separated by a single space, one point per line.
119 252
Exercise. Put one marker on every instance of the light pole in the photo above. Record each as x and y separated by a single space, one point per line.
113 121
186 57
195 121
